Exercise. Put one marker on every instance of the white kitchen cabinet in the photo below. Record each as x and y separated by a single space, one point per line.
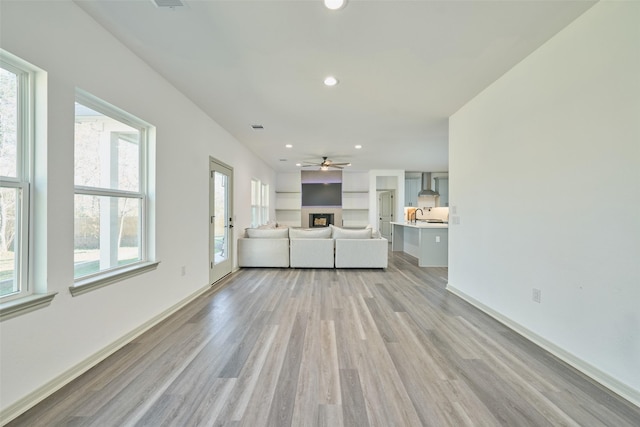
411 190
442 187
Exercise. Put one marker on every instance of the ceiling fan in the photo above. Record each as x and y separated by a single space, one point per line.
326 164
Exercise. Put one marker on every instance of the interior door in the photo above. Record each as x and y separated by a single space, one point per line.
385 213
220 220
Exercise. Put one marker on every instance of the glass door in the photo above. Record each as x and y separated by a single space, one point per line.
220 221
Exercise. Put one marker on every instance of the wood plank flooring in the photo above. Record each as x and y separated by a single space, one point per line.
303 347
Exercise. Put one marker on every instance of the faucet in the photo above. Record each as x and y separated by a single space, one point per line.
415 219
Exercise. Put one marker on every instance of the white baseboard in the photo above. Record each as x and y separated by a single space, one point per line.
586 368
41 393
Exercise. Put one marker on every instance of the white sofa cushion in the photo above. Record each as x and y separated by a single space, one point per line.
341 233
311 253
270 233
314 233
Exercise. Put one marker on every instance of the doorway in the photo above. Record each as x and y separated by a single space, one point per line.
386 208
220 220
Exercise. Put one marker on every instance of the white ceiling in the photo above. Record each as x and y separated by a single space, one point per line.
404 67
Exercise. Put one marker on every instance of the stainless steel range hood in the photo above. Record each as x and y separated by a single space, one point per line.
426 186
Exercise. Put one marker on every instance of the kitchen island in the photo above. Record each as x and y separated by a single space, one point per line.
429 242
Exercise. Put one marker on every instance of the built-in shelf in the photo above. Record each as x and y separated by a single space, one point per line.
355 199
288 200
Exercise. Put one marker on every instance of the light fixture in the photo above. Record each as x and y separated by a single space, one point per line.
334 4
298 164
288 145
324 168
358 147
330 81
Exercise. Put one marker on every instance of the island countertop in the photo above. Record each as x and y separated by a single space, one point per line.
422 224
427 241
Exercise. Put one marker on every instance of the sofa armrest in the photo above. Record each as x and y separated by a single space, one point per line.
254 252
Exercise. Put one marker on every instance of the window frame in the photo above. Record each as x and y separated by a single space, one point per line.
259 203
264 203
25 142
105 277
31 111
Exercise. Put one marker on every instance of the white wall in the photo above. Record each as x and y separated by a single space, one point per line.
545 178
61 39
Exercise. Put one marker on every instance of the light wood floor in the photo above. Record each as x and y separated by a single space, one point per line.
286 347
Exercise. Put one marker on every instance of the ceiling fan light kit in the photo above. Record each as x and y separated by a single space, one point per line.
326 164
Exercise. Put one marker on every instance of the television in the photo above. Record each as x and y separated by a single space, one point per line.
316 194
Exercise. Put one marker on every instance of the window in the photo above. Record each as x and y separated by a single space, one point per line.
16 143
111 193
264 204
259 203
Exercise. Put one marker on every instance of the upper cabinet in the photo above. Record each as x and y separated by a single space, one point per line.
442 187
411 190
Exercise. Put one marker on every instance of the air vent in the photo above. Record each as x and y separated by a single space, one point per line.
257 127
168 3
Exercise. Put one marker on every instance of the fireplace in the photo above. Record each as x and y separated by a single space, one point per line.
320 219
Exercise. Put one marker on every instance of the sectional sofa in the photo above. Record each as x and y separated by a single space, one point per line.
327 247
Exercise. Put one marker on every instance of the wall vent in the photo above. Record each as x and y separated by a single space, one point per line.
168 3
257 127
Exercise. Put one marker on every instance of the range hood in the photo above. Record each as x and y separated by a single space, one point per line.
426 186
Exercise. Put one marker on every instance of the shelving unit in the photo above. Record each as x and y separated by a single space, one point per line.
289 199
355 199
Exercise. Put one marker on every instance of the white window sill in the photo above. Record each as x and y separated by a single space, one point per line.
95 282
24 305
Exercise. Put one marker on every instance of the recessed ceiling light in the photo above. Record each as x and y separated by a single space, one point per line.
334 4
358 147
298 164
288 145
330 81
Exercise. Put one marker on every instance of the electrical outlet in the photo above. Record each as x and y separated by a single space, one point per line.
536 295
437 239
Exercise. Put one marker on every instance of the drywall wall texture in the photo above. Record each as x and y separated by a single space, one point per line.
75 51
545 182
